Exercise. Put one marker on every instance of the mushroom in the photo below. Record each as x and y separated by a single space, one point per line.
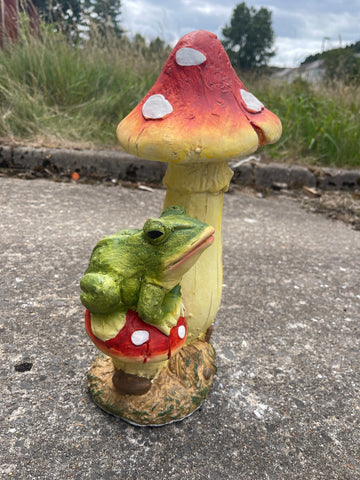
197 116
140 348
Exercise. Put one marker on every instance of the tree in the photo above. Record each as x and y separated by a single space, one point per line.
73 16
63 15
105 15
249 38
158 47
58 11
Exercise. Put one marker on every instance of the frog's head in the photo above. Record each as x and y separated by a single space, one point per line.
178 239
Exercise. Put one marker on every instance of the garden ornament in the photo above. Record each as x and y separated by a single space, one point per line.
135 315
196 117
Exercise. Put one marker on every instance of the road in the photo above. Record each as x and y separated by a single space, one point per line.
285 400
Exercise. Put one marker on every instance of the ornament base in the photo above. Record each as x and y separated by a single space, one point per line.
176 392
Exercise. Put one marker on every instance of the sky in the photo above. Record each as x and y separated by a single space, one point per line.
301 28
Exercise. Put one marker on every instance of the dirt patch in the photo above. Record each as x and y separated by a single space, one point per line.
344 206
337 205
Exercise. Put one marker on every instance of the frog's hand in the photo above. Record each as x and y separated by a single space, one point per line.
172 309
101 294
151 298
129 290
160 307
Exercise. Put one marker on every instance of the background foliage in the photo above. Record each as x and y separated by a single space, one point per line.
249 38
341 64
53 90
76 17
60 90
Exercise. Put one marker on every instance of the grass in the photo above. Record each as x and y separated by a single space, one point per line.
51 89
62 94
321 124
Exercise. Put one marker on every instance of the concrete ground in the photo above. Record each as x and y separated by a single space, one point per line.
285 401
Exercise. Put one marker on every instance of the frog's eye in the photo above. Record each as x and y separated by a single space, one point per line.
155 232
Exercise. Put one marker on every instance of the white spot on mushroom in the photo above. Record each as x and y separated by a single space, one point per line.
139 337
156 107
251 102
181 331
186 57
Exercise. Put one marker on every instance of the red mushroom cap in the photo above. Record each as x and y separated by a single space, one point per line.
198 109
138 341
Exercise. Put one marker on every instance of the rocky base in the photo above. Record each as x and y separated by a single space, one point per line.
175 393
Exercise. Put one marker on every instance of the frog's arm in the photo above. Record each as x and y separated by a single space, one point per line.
130 290
159 306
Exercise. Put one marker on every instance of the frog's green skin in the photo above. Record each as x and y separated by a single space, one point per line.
141 269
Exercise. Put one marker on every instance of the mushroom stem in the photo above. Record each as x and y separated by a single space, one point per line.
199 188
148 370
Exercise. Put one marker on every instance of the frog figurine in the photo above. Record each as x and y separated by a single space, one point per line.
132 294
141 270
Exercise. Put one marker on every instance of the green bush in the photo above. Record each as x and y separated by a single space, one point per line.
342 65
58 92
321 124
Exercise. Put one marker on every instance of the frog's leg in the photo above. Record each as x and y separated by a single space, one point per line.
160 307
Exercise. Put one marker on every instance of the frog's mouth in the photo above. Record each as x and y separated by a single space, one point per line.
205 240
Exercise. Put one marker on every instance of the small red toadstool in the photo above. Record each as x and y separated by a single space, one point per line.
140 342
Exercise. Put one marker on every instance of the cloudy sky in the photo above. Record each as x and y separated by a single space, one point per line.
301 27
